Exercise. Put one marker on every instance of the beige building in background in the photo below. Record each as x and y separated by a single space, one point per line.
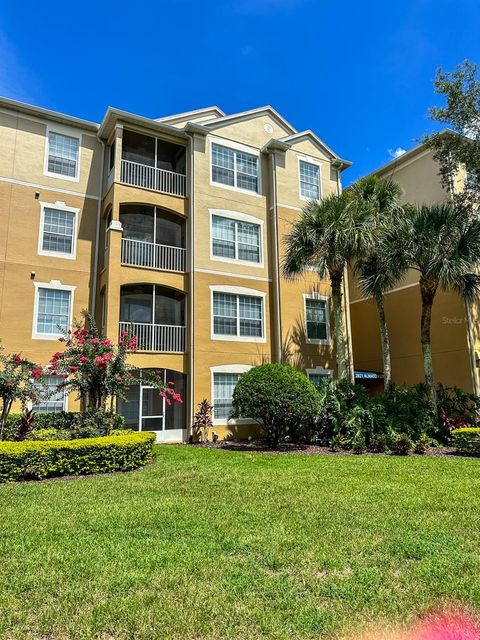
173 228
454 330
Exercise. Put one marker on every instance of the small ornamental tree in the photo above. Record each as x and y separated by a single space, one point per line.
20 381
97 369
280 397
202 420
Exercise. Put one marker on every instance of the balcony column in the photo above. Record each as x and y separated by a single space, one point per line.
118 151
114 279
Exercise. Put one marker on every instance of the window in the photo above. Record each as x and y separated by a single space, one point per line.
62 158
111 156
57 232
234 168
316 319
54 399
223 386
237 315
52 311
309 180
235 240
471 180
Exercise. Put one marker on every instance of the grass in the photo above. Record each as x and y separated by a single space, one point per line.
218 544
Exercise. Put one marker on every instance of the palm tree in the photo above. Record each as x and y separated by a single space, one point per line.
380 270
442 243
328 235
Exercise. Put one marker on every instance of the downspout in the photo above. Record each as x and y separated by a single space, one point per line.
191 250
471 349
346 298
93 303
276 260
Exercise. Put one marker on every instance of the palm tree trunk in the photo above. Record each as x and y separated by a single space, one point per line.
387 361
336 284
428 290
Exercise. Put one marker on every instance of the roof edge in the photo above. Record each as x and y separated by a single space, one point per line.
48 114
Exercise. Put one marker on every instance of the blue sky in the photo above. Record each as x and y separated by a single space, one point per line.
358 73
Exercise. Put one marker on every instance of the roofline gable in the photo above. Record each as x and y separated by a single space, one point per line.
185 115
310 135
248 115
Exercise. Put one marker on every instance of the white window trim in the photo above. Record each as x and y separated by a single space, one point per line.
236 146
239 291
60 206
53 284
318 163
317 296
228 368
65 131
65 403
237 216
319 371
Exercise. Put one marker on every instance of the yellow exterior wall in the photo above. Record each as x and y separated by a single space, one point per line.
23 187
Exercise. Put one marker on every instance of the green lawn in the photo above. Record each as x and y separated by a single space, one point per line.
217 544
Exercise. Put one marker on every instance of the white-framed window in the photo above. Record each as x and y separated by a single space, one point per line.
238 314
62 157
52 310
224 380
236 237
316 318
58 230
319 374
309 178
235 168
54 400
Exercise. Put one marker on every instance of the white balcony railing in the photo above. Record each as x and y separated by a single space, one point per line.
156 337
154 256
142 175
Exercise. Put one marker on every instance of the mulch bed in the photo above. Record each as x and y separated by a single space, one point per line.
287 448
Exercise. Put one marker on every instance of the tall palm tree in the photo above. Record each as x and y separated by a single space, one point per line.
442 243
379 271
328 235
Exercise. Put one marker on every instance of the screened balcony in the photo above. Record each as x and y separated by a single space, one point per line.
152 238
156 315
152 163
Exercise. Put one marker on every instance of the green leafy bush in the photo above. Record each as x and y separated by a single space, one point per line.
336 443
280 397
467 440
422 444
402 444
70 424
30 460
358 444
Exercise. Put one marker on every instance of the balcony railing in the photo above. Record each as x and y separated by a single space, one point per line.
156 337
153 256
142 175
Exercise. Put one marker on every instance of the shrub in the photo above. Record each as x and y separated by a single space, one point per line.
51 434
422 444
202 421
402 444
358 444
336 443
31 460
72 425
280 397
467 440
380 443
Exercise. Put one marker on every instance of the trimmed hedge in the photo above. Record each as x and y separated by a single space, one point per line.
467 440
35 460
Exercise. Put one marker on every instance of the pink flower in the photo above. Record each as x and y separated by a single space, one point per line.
17 358
73 368
36 374
105 343
177 398
168 401
94 341
83 359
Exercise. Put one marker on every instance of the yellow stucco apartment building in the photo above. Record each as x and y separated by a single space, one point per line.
173 227
455 338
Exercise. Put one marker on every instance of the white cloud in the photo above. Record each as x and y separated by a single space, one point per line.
15 80
396 153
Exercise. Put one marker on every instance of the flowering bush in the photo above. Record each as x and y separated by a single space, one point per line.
97 369
20 381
